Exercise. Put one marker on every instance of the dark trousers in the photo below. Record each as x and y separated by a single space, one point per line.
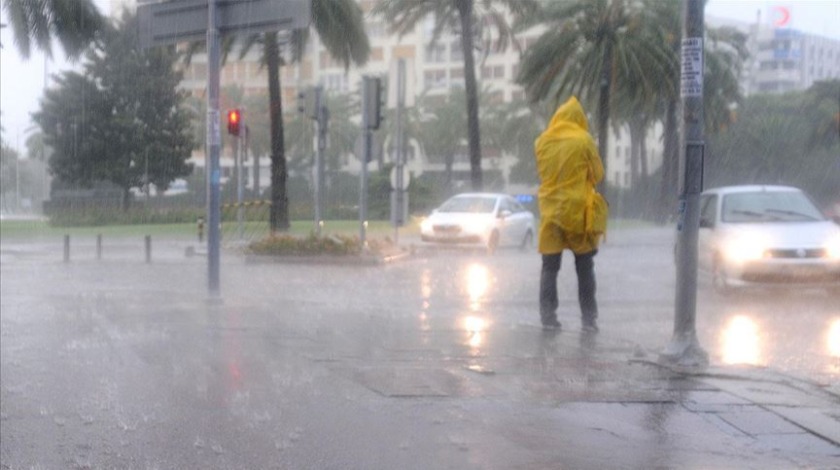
585 268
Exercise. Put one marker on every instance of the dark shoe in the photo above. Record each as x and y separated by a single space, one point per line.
590 327
551 325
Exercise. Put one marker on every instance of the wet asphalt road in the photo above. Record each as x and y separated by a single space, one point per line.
122 364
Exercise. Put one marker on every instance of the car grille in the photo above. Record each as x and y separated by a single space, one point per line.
800 253
793 275
447 229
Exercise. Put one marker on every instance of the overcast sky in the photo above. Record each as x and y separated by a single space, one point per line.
22 82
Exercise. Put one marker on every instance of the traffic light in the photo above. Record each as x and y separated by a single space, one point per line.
373 101
234 119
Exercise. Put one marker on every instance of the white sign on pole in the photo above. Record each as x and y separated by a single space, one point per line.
691 73
410 83
406 177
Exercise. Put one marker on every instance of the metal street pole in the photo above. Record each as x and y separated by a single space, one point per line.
366 153
684 348
400 157
239 187
319 157
214 141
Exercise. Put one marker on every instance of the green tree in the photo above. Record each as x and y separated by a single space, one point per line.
74 23
824 100
121 120
770 141
9 167
512 128
36 148
464 17
441 130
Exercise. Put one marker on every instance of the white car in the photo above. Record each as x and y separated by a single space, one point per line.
485 219
766 235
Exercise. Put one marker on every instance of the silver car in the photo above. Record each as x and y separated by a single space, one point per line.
489 220
766 235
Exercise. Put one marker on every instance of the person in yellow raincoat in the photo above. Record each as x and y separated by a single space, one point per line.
572 214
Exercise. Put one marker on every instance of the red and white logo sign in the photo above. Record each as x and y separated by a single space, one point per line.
781 17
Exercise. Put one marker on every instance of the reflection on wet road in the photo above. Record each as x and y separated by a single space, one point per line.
740 341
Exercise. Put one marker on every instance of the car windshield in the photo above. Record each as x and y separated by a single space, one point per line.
769 206
477 205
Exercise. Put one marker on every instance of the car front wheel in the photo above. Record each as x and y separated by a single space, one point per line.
527 241
493 242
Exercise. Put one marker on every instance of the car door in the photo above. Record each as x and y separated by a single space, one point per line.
515 221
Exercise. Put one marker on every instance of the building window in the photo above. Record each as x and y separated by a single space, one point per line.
436 53
457 51
335 81
435 78
494 72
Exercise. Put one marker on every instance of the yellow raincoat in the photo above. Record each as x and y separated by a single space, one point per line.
572 214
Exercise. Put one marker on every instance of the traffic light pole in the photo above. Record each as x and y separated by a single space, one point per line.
366 152
684 348
320 144
399 190
214 140
239 186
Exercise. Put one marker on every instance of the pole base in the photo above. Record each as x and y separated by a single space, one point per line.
684 351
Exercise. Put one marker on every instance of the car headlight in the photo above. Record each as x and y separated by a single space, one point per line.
475 226
832 248
426 225
745 247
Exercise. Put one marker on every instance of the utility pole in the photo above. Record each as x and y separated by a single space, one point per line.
684 348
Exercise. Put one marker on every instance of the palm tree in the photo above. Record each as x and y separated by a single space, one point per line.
461 16
74 23
588 46
340 26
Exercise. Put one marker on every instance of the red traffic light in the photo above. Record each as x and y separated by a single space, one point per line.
234 118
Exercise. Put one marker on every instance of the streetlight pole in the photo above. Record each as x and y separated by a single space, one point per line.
684 348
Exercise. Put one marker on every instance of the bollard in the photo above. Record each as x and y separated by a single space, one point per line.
200 223
99 246
67 248
148 248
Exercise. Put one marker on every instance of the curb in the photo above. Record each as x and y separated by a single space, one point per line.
337 260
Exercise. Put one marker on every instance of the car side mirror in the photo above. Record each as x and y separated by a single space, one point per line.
504 213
